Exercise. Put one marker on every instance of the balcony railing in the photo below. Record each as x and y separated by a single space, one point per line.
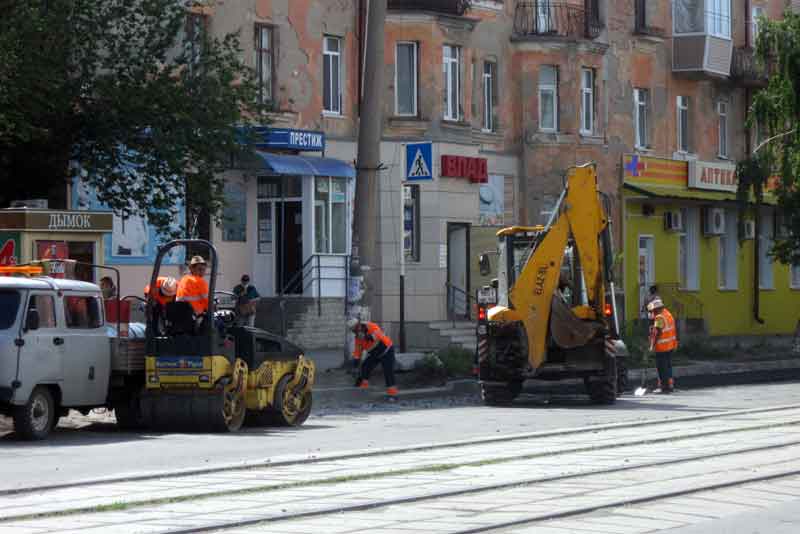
449 7
746 70
545 18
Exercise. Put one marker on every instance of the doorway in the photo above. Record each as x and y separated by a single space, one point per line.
289 247
458 270
647 271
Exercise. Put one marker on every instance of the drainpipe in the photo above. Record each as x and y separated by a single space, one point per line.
757 240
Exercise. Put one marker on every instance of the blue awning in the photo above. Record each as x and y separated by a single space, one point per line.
306 165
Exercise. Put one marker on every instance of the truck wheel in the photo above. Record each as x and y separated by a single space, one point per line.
128 412
501 395
37 418
601 391
622 375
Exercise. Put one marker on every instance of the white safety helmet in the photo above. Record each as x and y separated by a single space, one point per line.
655 304
169 287
352 323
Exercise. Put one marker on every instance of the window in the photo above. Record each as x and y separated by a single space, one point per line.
83 312
722 110
587 101
195 35
640 23
234 213
758 12
411 222
264 228
264 62
548 98
683 123
330 215
452 83
688 250
406 79
9 307
489 95
332 75
687 16
544 18
718 18
641 99
47 310
765 248
728 253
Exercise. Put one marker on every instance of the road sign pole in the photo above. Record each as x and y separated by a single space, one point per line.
403 347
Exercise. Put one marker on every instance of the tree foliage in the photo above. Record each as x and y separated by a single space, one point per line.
776 110
135 93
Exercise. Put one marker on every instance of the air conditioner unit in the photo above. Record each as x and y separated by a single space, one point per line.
749 230
673 221
714 221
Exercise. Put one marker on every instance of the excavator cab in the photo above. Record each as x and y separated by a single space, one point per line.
203 372
555 316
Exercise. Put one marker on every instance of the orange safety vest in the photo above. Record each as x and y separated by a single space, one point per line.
668 338
159 296
194 290
374 342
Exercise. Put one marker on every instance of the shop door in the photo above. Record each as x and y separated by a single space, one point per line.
289 247
458 270
80 251
647 271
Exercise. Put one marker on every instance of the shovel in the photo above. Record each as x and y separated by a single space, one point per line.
642 389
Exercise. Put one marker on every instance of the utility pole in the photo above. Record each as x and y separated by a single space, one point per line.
367 199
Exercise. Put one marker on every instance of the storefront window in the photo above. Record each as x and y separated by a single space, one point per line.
280 187
330 215
264 228
234 214
728 253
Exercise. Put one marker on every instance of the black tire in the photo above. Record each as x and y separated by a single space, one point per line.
277 416
601 391
501 395
128 412
622 375
37 418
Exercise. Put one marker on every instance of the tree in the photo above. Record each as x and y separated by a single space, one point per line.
135 93
775 113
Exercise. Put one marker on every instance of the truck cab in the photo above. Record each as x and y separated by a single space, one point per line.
54 351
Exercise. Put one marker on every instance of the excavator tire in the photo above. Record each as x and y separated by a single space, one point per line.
622 376
501 395
602 391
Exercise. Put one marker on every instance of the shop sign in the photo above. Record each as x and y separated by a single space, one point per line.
9 248
303 140
713 176
476 169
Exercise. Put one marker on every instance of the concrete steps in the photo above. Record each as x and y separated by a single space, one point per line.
459 333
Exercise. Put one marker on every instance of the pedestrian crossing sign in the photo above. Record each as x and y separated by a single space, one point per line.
419 161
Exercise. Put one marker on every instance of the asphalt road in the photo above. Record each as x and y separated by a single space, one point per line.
98 450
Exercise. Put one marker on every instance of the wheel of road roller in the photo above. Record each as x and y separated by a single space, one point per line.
501 395
291 408
127 411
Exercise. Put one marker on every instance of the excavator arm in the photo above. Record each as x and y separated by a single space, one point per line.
579 213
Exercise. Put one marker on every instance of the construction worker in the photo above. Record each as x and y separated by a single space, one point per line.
193 288
371 339
663 341
166 287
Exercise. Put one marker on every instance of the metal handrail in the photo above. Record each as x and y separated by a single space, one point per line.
544 17
307 275
470 300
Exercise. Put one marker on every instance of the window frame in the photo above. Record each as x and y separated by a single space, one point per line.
35 295
261 54
723 129
328 56
587 92
329 203
414 254
415 79
452 94
196 29
690 279
755 13
548 88
641 105
794 268
489 78
682 104
728 252
100 311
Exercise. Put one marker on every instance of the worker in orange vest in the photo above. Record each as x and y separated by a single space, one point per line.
166 287
371 339
193 288
663 341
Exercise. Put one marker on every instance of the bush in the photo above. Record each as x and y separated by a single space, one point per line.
457 361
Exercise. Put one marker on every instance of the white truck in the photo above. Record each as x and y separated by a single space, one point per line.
57 353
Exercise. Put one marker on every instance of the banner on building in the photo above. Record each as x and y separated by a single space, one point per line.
492 202
9 248
645 170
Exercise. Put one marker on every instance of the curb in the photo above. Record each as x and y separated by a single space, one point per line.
702 374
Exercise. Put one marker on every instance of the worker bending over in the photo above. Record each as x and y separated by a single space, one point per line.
165 290
371 339
664 341
193 288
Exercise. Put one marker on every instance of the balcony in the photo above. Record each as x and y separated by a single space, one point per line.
746 71
447 7
701 39
554 19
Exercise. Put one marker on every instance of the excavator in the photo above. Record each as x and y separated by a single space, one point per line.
555 317
208 374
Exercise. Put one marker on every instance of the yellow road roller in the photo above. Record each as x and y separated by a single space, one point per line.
205 372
